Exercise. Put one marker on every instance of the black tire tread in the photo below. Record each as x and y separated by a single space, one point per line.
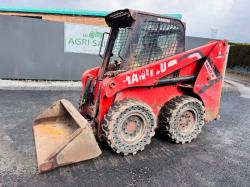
115 112
167 118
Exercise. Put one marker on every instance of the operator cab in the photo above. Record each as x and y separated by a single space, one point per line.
139 38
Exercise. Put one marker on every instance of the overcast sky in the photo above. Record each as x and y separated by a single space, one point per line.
231 18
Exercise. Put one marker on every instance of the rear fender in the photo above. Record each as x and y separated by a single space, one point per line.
208 84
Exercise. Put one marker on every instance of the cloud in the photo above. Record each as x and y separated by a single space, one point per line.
228 17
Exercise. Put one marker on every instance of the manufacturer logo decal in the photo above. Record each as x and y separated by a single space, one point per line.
210 70
139 76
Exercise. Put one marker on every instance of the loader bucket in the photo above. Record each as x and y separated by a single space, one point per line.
63 136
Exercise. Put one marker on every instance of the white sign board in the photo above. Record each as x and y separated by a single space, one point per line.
83 38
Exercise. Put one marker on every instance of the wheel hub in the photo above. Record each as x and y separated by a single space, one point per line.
132 129
187 122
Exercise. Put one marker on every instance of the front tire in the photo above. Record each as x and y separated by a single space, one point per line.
129 126
182 119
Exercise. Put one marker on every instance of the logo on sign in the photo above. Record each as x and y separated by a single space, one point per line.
83 38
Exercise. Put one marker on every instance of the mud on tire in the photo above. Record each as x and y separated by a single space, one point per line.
129 126
182 119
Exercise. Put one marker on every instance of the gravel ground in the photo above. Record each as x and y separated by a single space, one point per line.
53 85
39 85
243 75
220 156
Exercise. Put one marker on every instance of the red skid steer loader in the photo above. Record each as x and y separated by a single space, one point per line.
147 81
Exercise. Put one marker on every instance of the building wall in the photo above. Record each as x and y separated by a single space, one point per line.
193 42
34 49
61 18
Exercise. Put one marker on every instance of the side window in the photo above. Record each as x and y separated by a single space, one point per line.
119 45
158 40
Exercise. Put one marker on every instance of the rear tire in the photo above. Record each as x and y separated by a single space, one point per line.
182 119
129 126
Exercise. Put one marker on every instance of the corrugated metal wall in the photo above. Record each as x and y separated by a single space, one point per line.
34 49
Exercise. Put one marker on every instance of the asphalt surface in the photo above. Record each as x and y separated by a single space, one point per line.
220 156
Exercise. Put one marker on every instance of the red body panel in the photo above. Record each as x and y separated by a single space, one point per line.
150 74
90 72
209 81
206 62
155 97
